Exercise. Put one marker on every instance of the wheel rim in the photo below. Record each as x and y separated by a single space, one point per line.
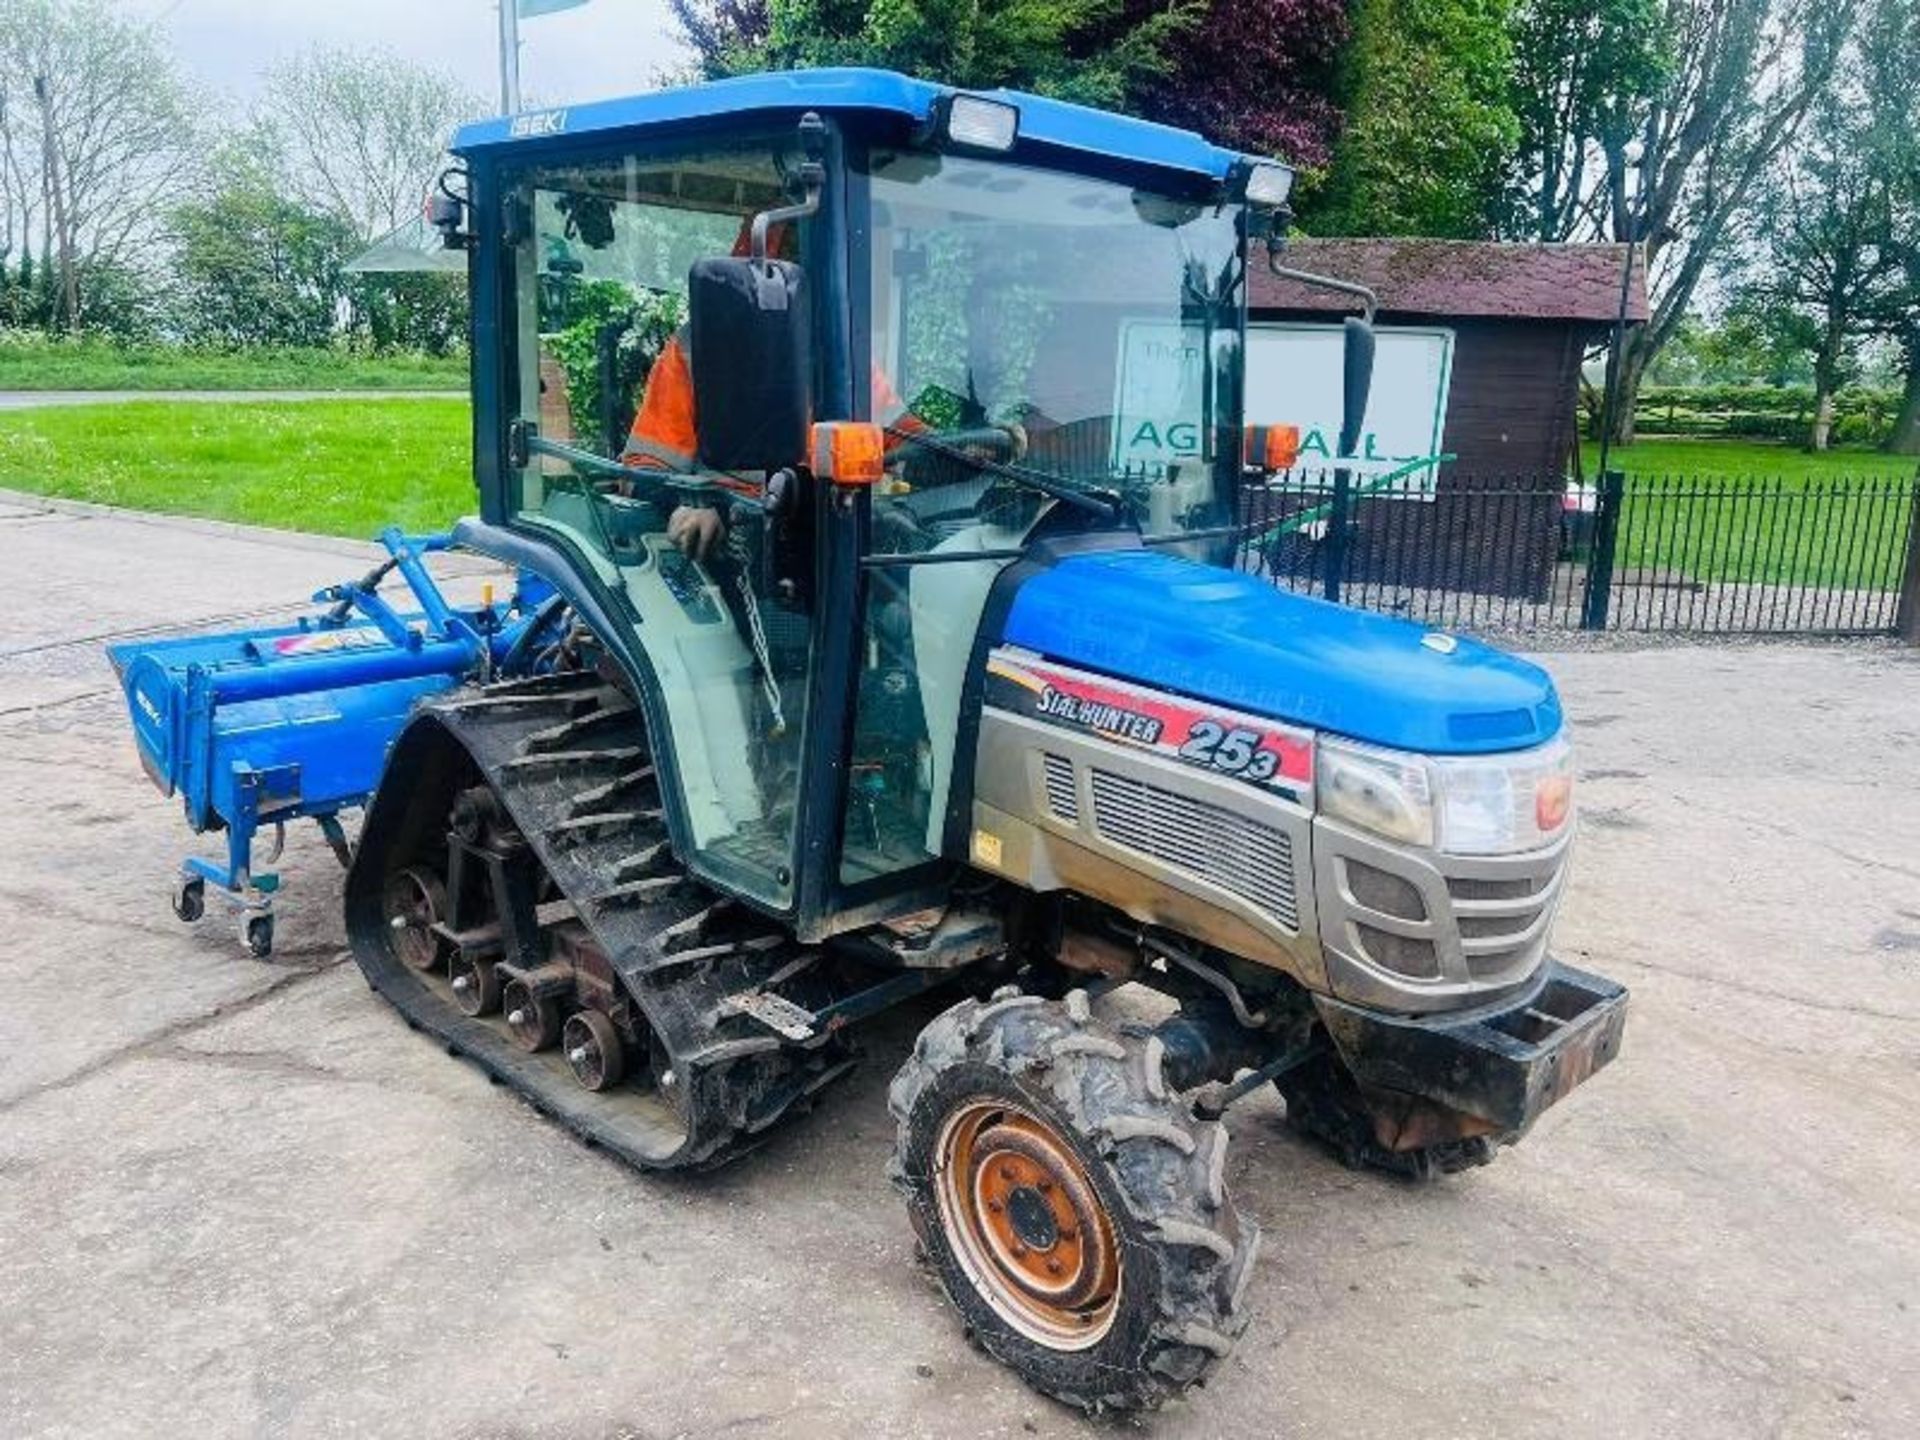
593 1050
1027 1225
413 903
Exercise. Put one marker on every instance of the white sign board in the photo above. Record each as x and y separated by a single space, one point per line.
1294 377
1158 408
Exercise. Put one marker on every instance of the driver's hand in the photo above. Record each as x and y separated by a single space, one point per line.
696 530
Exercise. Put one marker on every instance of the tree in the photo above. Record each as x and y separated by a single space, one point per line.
1430 125
1254 74
410 311
1091 51
96 137
1892 78
362 133
724 35
1739 347
1746 74
255 266
1824 219
1584 72
1901 320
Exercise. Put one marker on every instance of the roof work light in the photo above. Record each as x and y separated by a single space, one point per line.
1269 183
978 123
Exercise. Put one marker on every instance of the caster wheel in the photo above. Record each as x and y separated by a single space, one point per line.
593 1049
413 902
257 931
476 986
533 1021
190 900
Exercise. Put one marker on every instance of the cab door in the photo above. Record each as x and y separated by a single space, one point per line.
600 256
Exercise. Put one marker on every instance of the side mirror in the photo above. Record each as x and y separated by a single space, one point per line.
1357 383
448 214
751 353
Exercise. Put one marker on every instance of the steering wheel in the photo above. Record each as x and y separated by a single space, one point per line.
997 441
944 456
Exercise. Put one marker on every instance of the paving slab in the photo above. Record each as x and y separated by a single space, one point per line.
242 1198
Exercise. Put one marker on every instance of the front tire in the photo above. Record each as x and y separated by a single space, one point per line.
1075 1210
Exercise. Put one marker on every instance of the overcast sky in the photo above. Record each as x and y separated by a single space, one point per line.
606 47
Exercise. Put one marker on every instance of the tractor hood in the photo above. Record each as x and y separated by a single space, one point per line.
1240 642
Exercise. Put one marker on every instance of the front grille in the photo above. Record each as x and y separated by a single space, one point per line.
1242 856
1062 799
1522 900
1384 891
1467 888
1400 921
1402 954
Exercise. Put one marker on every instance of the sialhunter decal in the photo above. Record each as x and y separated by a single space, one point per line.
1099 715
1223 741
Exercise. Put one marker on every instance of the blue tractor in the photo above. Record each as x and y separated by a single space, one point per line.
920 664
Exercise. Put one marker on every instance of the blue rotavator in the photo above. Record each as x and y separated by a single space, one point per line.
254 728
871 453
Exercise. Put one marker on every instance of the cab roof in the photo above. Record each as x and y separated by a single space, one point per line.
1054 124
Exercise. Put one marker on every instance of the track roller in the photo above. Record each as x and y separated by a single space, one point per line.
533 1020
414 902
594 1050
476 985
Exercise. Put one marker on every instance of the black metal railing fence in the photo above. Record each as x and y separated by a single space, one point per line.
1673 553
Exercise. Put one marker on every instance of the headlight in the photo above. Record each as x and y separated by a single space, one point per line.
1462 804
1378 790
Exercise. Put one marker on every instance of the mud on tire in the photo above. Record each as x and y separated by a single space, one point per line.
1183 1252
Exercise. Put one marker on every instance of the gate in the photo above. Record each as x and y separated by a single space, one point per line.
1703 555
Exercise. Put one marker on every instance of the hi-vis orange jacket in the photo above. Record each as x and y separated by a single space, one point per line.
665 433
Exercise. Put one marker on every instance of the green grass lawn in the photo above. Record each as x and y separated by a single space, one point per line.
93 365
335 467
1660 456
1748 511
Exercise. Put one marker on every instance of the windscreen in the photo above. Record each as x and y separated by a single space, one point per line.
1101 323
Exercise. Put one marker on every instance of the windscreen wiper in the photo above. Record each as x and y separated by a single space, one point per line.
1105 506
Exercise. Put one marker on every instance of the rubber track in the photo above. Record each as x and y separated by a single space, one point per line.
566 757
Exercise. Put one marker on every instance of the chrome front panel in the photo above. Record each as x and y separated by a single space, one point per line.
1247 870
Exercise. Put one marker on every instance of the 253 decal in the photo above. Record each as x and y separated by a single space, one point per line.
1233 750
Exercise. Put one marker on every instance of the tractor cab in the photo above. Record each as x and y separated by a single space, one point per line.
864 339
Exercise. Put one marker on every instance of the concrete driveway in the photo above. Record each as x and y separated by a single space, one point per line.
242 1198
